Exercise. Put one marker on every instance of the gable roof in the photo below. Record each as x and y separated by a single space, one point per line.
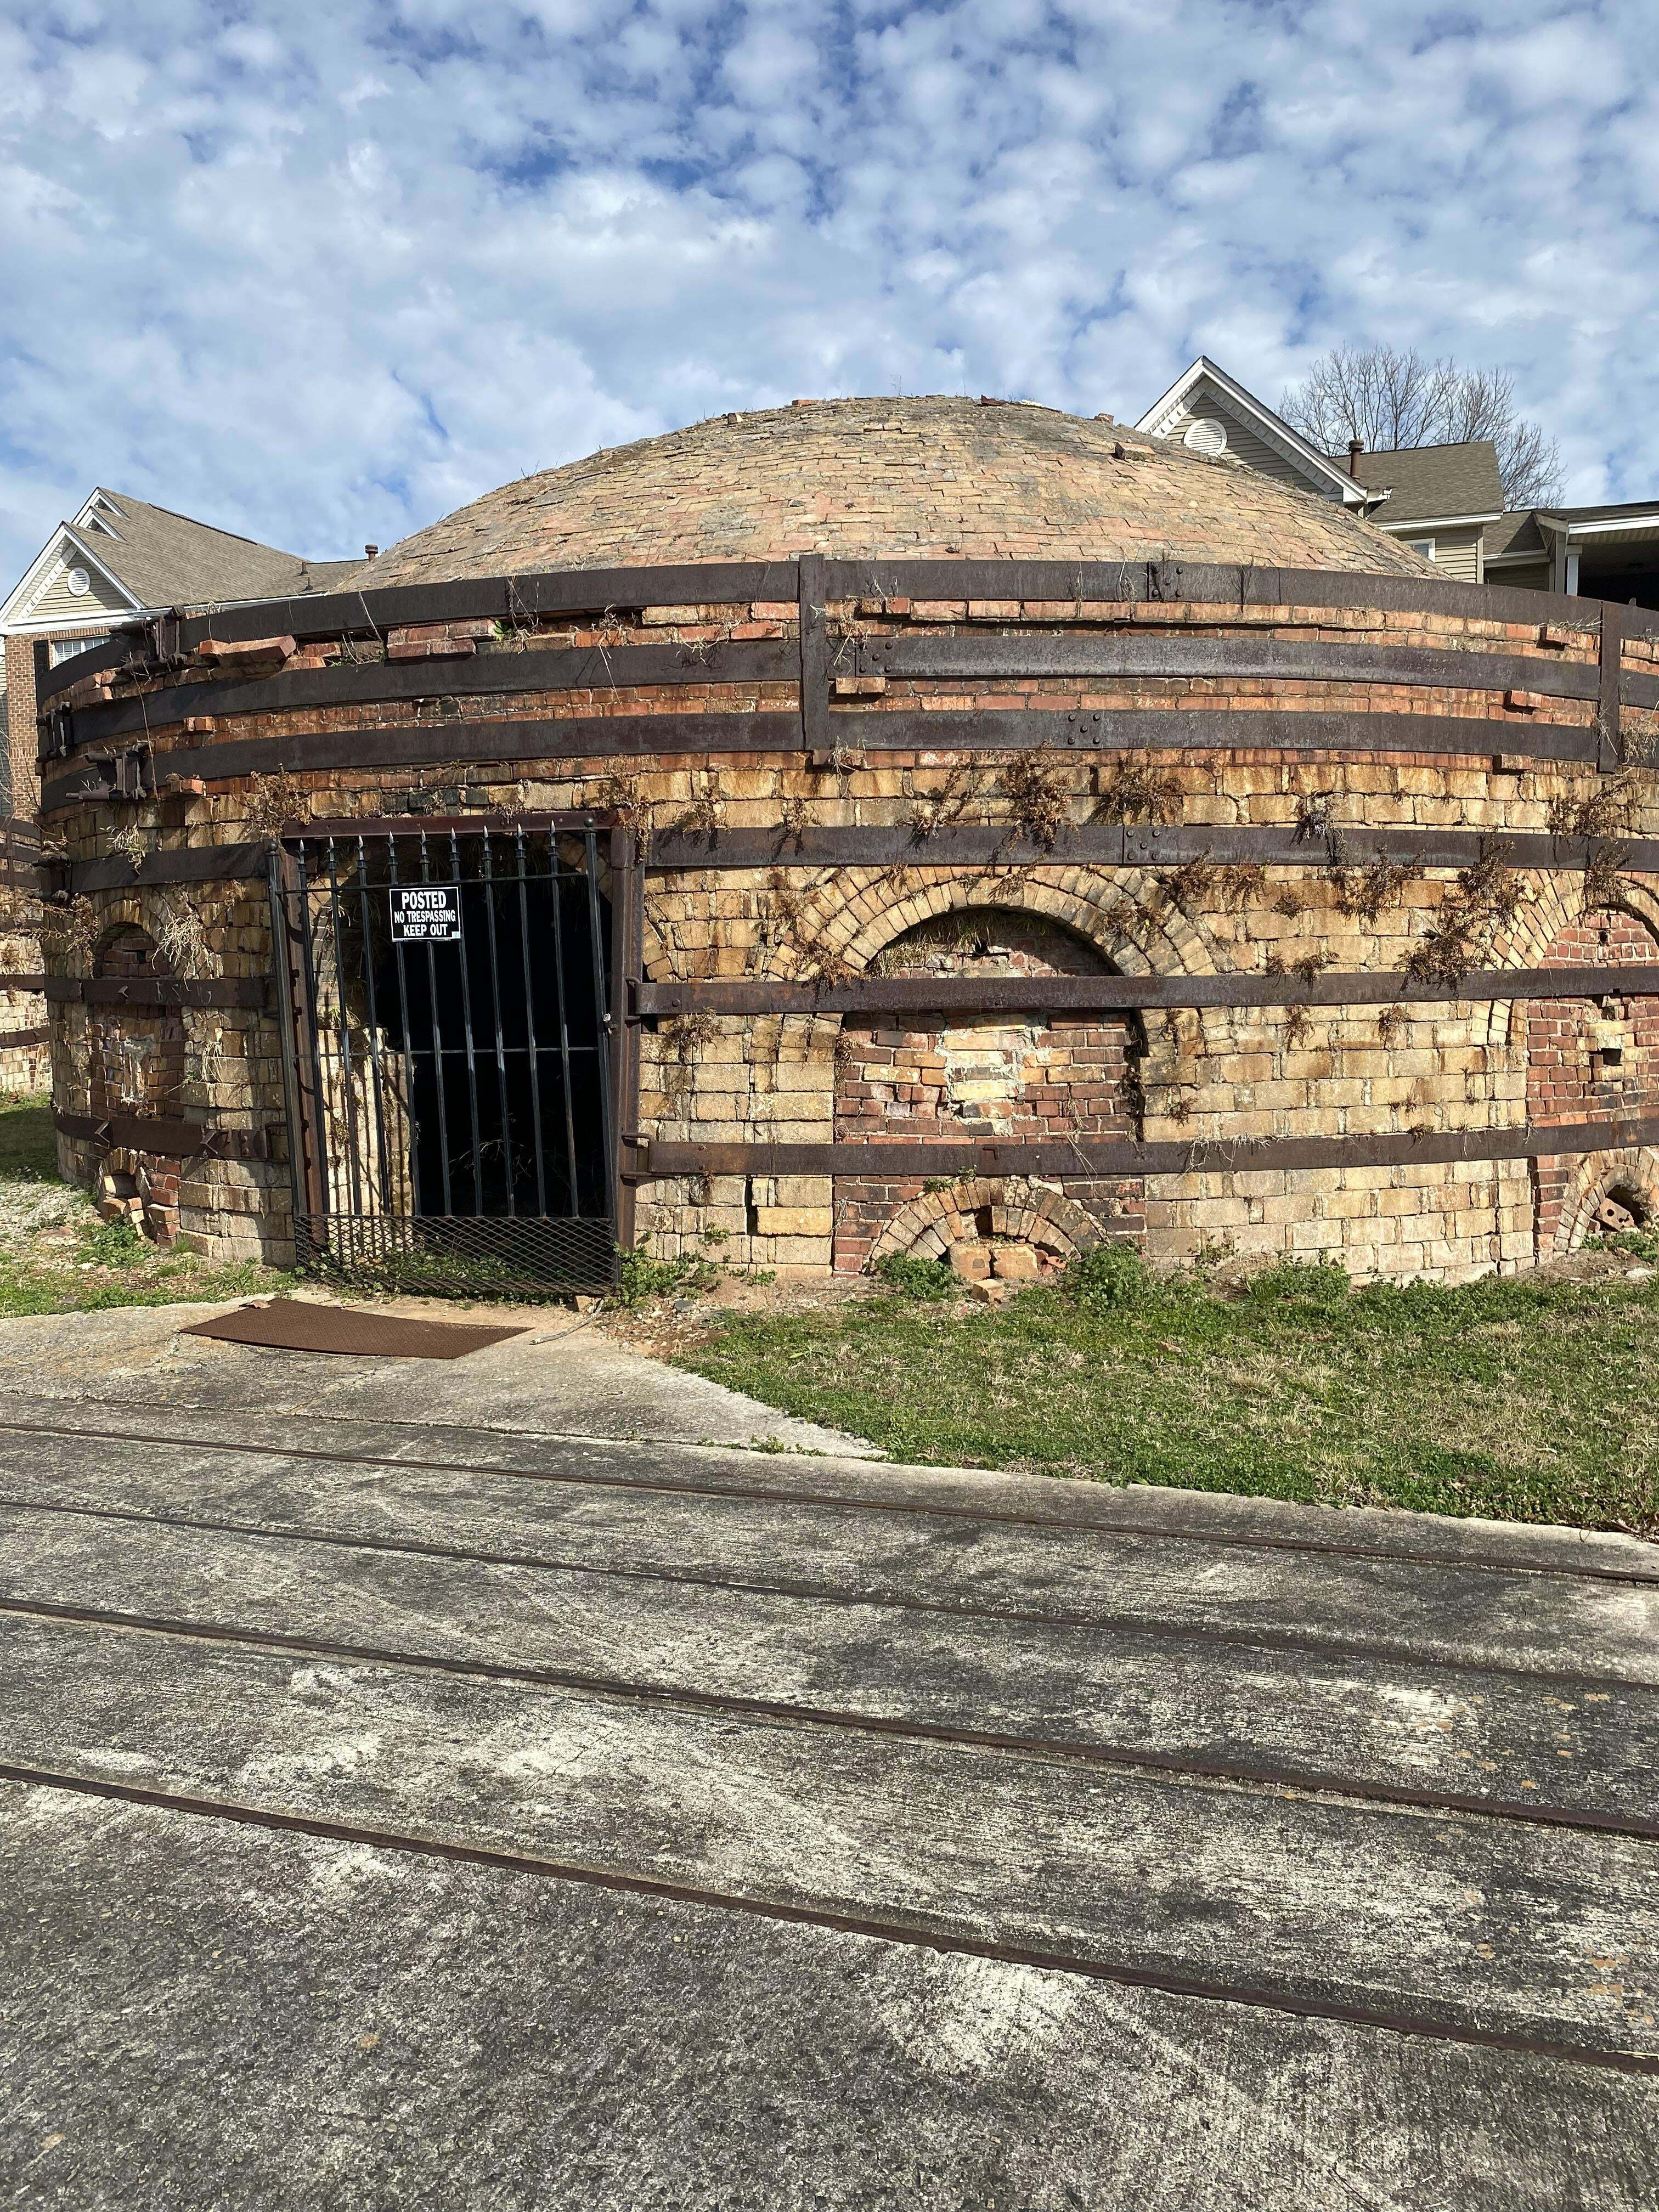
166 559
1435 484
1319 469
151 557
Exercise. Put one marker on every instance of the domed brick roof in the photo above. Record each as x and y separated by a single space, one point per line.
916 478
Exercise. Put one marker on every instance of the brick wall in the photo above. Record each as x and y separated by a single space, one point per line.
1587 1057
1271 1071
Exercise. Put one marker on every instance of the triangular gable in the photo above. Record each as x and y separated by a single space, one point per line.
1204 382
45 599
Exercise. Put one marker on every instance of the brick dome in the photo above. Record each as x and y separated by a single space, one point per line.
921 479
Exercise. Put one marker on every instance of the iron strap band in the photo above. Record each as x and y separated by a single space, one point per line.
838 734
1032 655
1084 1161
992 846
165 1136
1085 993
510 599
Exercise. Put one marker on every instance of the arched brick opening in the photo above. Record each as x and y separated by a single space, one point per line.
981 1224
1590 1058
137 1068
1041 1077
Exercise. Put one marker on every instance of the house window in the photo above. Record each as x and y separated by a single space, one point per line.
1423 545
65 649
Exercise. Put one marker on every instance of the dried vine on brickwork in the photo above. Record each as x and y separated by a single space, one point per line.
1036 790
71 929
1309 965
176 927
704 814
271 804
1389 1023
1603 881
796 817
1297 1025
686 1034
620 795
1612 807
827 963
1136 792
947 804
1485 898
1292 901
1363 893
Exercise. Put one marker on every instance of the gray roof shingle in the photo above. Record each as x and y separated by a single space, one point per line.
166 560
1430 482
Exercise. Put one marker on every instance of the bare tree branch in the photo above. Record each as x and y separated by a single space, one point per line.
1391 399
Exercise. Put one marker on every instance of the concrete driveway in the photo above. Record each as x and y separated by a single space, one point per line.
520 1784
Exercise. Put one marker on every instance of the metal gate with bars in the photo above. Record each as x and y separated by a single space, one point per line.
453 1049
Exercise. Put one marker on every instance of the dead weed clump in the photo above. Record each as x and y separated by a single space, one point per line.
1136 792
1485 899
1036 793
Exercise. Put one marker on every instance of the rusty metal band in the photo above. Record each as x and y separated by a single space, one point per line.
165 1135
513 600
1116 845
1030 655
30 983
840 732
1107 845
876 1160
253 991
879 994
18 1039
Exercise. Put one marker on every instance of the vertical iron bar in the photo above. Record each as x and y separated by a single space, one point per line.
565 1019
325 1176
501 1043
354 1172
437 1042
376 1069
602 1013
289 1015
466 1028
405 1011
529 1012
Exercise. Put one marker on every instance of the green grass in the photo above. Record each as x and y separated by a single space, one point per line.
1520 1398
57 1256
28 1142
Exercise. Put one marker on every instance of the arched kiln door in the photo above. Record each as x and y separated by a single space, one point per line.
454 1057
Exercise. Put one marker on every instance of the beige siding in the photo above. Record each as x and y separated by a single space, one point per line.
1524 576
57 603
1242 442
1456 552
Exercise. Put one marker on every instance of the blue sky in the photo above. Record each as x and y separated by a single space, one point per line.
322 271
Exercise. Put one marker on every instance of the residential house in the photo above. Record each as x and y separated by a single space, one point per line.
1446 501
118 560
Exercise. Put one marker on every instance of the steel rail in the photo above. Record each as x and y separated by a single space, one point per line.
1169 1981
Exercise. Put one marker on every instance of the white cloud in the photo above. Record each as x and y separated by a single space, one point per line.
322 271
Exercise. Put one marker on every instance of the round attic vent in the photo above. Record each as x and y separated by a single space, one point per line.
78 581
1206 437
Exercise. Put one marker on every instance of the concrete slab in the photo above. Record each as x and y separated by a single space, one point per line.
567 1377
406 1801
194 2013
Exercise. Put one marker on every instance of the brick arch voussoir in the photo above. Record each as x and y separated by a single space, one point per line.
1593 1178
1531 942
1024 1212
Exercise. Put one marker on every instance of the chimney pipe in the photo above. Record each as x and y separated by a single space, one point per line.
1355 447
369 551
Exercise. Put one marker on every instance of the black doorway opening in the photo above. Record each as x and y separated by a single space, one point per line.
453 1067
